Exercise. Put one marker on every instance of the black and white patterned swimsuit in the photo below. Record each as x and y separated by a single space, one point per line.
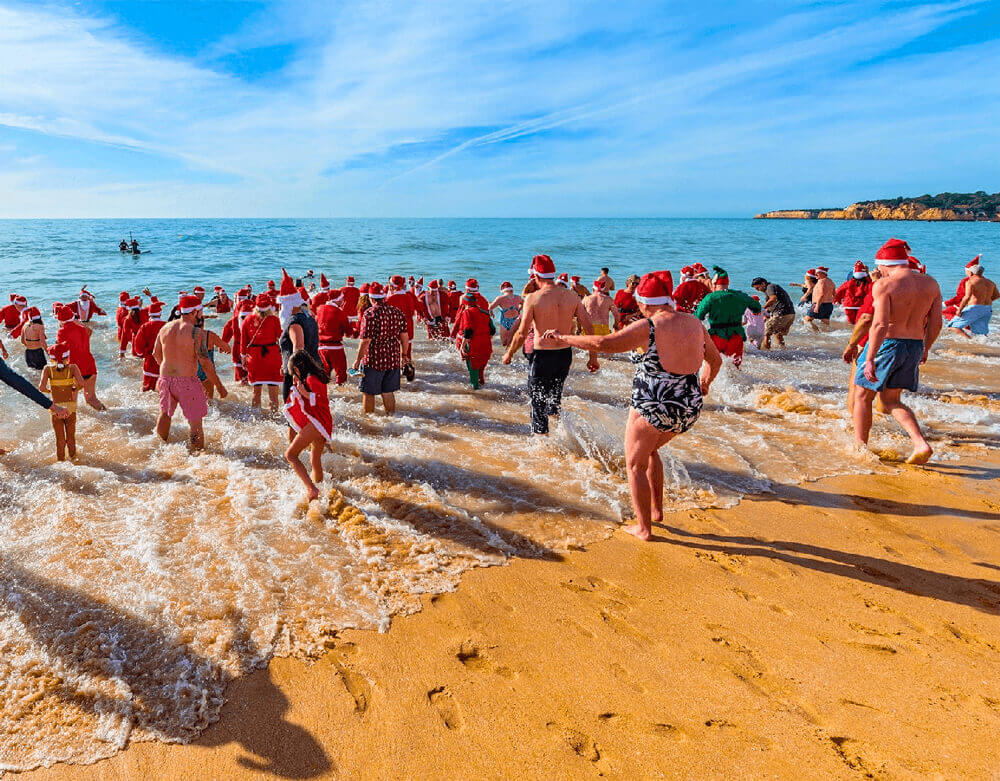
669 402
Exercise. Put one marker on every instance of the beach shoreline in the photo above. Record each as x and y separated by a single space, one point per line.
841 627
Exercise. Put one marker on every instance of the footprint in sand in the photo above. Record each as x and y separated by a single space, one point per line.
446 706
848 751
357 685
475 658
613 604
581 744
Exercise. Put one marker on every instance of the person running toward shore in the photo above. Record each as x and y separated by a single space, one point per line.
779 309
551 307
177 354
381 352
509 305
724 309
976 308
625 303
671 378
599 307
475 328
821 295
10 315
309 418
62 380
905 322
852 293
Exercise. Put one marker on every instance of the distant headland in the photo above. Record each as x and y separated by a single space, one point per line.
944 207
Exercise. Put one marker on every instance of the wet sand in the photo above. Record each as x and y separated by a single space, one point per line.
845 628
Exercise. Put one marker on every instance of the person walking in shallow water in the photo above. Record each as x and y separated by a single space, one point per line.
671 377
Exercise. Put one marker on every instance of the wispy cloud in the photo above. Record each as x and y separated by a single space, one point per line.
450 107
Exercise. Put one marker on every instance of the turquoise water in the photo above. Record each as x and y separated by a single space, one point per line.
49 259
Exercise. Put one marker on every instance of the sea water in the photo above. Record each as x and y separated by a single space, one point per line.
137 582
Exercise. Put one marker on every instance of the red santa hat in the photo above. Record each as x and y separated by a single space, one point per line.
598 285
63 312
824 270
655 289
451 284
433 285
974 262
350 281
86 294
134 304
506 286
263 301
811 273
189 304
156 310
271 284
20 301
471 285
324 283
860 270
219 289
288 295
575 280
242 295
181 294
699 270
12 297
397 281
365 288
542 267
916 265
199 289
376 291
563 279
894 252
59 352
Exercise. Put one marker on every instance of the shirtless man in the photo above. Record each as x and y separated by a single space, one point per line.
598 306
550 308
609 283
176 353
905 322
822 296
976 307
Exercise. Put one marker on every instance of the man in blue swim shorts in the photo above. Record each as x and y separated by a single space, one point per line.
823 294
906 321
976 308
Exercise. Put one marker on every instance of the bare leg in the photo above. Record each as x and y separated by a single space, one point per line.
209 389
904 417
255 401
862 415
90 393
851 388
272 392
197 435
654 474
388 401
966 334
163 426
70 424
316 457
301 441
368 402
641 441
60 432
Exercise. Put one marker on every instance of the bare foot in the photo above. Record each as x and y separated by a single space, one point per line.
919 457
637 531
312 493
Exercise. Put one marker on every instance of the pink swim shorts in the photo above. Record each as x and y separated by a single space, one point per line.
185 391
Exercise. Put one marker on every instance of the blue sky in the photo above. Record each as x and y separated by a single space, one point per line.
501 108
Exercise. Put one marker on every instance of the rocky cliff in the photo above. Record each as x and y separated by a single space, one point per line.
946 207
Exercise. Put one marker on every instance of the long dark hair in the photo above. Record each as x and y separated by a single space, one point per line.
302 365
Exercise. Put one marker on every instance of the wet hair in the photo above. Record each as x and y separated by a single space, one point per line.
604 270
303 365
758 281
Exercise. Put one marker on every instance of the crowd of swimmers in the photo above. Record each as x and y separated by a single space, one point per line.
289 339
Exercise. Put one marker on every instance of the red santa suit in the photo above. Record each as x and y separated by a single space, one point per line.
259 335
351 295
475 343
144 342
687 296
406 303
77 337
951 305
851 294
471 296
333 327
301 410
628 307
130 325
86 307
120 314
10 315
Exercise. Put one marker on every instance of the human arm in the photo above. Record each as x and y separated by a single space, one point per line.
3 351
158 348
932 329
587 327
298 337
362 352
879 328
753 304
711 365
11 378
216 342
861 328
404 344
629 338
517 341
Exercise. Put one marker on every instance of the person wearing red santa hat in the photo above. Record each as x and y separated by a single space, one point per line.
179 351
86 306
599 307
694 286
323 295
351 295
259 335
973 313
577 287
509 305
144 342
822 295
675 372
300 329
725 309
807 284
308 414
628 307
242 309
76 336
454 300
471 288
951 305
474 341
131 323
563 280
333 327
905 324
10 315
62 380
851 294
406 303
435 307
381 351
551 307
32 335
220 302
121 312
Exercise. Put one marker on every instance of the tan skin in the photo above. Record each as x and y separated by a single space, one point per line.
684 347
64 425
551 308
823 292
308 437
850 354
598 306
175 352
907 306
505 302
33 336
388 399
978 291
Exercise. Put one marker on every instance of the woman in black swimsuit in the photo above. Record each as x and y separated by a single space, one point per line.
678 365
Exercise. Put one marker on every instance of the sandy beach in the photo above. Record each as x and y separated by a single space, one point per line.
843 628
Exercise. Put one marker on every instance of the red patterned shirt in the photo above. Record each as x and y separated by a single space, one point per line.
383 325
